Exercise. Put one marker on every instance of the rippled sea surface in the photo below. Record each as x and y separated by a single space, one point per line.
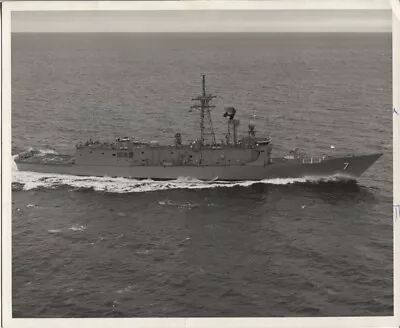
99 247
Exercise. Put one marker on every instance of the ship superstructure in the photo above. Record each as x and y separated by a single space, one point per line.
204 151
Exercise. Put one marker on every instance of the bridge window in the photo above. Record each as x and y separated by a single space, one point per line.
131 154
125 154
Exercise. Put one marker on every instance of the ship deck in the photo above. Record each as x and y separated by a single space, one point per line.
53 159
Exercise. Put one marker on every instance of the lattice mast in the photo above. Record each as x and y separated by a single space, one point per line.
204 105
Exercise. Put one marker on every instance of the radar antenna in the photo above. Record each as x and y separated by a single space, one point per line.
206 125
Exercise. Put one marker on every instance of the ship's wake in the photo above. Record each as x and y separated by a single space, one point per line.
22 180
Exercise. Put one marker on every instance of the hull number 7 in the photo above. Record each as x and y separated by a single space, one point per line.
346 165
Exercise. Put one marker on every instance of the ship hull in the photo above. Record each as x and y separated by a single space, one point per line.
350 167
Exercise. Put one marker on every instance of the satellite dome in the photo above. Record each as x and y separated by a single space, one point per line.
252 125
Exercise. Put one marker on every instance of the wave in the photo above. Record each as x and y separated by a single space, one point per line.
41 151
32 180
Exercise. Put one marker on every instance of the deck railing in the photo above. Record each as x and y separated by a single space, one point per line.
312 160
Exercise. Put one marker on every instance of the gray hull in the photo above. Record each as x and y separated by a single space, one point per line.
350 167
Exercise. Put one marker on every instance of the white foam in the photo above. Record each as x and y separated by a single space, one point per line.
53 230
45 151
34 180
124 290
77 228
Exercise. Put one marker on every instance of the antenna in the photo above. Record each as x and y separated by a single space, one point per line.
206 125
93 125
230 113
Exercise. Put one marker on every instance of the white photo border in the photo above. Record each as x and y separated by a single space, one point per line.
5 131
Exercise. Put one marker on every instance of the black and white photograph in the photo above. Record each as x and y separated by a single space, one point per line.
202 163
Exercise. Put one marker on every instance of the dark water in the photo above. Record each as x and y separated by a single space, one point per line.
96 247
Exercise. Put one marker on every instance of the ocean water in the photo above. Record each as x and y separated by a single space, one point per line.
104 247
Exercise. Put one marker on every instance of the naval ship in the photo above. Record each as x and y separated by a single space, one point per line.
235 158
